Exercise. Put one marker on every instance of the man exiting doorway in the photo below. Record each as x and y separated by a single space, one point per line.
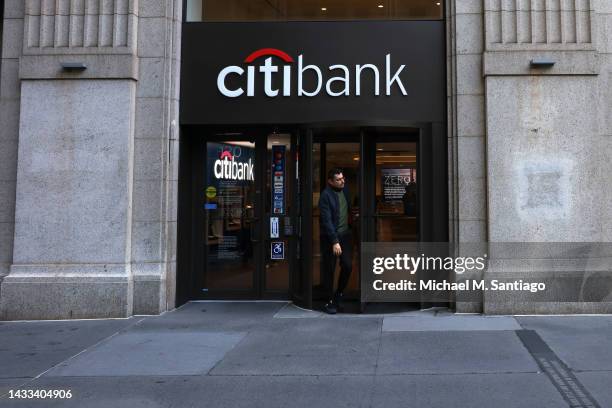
336 242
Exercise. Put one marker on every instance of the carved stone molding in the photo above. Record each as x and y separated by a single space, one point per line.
80 27
563 25
101 34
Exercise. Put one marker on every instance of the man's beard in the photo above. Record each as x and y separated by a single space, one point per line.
337 189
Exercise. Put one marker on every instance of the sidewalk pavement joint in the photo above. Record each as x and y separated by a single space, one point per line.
570 388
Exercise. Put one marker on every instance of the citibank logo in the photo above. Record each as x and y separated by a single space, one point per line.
228 168
345 82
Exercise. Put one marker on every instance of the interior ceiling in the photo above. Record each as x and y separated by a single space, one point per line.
320 9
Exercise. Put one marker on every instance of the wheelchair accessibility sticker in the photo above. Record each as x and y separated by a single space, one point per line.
277 250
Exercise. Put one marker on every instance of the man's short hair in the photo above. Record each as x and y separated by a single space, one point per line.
331 175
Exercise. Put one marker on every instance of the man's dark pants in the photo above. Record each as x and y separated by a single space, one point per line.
328 263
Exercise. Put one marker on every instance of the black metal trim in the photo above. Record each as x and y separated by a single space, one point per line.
433 193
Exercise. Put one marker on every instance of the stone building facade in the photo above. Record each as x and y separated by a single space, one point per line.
89 158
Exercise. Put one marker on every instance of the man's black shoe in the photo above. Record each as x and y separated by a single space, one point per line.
338 302
330 308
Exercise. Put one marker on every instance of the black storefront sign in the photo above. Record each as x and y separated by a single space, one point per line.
363 82
305 72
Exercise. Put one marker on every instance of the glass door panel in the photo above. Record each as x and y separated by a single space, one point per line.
231 215
280 176
346 156
397 192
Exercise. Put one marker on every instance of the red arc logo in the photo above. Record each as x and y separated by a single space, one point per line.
225 154
268 51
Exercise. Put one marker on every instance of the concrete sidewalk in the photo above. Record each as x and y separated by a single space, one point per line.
273 354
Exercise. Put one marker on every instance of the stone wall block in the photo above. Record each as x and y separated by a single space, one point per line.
172 201
152 37
171 285
65 299
74 172
92 7
33 31
172 240
472 198
468 7
47 30
553 27
151 84
149 118
607 209
7 198
47 7
14 8
605 34
174 159
470 115
583 26
91 29
176 74
32 7
148 159
178 12
62 31
107 30
493 27
9 118
147 297
9 79
121 30
147 200
524 26
7 231
12 38
107 7
508 22
471 157
469 36
77 30
568 26
122 7
62 7
602 6
472 231
538 27
153 8
469 74
543 159
77 7
146 241
8 161
605 96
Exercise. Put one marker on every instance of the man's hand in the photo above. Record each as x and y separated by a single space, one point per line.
337 249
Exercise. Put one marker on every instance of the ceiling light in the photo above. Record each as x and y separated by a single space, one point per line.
380 6
438 3
323 8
